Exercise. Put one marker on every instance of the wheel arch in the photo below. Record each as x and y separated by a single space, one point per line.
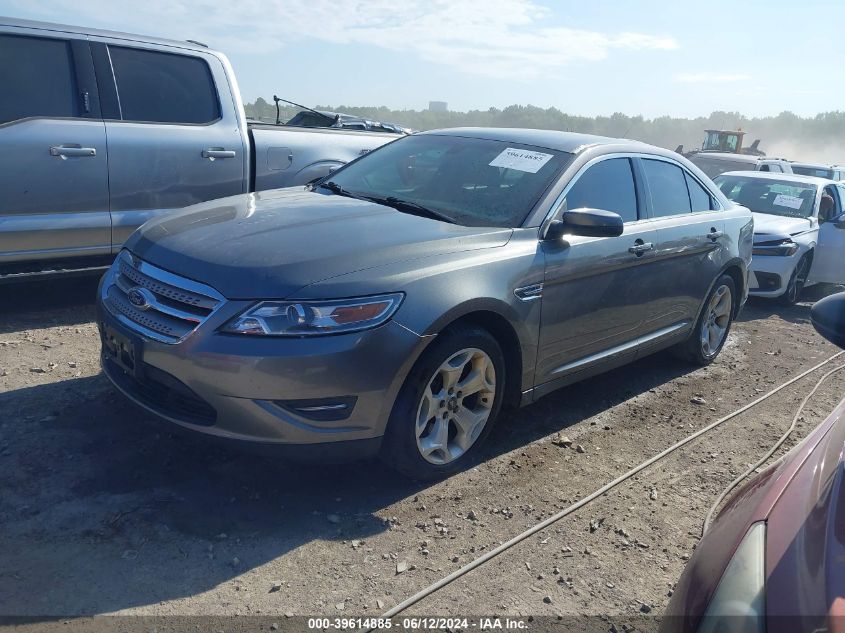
505 332
735 271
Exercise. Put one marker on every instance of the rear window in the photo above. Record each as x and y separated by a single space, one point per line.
668 187
163 88
818 172
700 198
25 65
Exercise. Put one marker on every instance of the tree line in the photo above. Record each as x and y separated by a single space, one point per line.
786 128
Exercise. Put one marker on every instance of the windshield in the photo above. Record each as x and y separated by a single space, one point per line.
468 181
818 172
775 197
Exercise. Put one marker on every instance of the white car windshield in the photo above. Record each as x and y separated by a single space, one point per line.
766 195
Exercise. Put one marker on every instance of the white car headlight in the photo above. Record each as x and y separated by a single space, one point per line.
779 247
312 318
739 603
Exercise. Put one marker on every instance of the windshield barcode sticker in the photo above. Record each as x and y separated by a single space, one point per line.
783 200
521 160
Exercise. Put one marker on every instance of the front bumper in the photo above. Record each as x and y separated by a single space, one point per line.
774 274
247 388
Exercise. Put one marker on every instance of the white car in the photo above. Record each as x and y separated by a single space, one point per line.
799 230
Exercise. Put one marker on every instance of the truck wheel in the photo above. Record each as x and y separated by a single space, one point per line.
797 280
713 326
447 406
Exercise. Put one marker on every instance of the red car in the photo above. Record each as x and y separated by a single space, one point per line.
774 559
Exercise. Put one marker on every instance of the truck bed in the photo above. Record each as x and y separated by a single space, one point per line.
288 156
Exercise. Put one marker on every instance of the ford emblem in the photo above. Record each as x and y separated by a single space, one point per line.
139 298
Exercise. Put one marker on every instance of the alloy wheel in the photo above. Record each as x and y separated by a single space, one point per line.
455 406
717 319
799 278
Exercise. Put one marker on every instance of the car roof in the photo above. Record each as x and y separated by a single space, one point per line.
571 142
770 175
80 30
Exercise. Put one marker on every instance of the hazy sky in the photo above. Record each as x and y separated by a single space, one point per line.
585 57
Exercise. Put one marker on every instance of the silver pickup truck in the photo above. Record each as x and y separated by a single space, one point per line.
101 131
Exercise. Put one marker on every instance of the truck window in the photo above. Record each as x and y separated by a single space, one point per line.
37 77
669 195
163 87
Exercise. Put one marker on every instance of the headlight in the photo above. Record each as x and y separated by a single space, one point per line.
738 606
312 318
784 248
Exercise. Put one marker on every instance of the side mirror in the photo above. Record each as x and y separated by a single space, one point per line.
828 317
586 222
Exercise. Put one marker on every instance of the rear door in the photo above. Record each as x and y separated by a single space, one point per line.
596 288
173 131
829 257
690 243
53 163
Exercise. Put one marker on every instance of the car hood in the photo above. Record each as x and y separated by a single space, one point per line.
272 243
767 224
805 540
794 496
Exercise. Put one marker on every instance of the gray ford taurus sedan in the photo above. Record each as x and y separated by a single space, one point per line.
396 306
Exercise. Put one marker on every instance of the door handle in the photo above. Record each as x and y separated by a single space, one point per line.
715 235
64 151
218 152
640 247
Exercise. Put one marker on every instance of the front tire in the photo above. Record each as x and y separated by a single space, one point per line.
713 325
797 281
447 406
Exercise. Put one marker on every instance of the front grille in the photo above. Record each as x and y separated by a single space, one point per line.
162 393
172 306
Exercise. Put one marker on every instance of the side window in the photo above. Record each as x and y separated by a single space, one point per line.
669 195
608 185
766 167
163 87
700 198
777 168
827 211
38 78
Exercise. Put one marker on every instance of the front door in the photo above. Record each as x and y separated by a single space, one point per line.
595 289
174 138
829 257
54 196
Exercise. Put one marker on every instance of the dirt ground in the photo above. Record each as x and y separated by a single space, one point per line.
105 511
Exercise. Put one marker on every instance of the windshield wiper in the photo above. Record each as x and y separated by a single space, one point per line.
411 207
337 189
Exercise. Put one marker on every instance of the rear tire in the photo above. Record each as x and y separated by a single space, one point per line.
713 326
447 406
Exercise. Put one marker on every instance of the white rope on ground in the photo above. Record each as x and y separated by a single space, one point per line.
439 584
709 518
